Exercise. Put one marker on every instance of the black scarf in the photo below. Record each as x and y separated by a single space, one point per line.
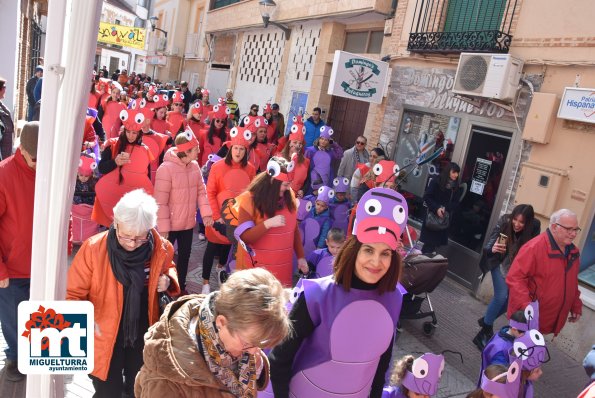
129 269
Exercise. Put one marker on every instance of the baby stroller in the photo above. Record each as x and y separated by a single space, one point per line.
421 275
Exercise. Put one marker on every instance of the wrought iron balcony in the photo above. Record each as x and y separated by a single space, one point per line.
453 26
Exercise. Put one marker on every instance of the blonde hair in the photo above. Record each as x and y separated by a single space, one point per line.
181 139
255 299
401 366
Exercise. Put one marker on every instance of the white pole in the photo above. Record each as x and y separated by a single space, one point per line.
70 48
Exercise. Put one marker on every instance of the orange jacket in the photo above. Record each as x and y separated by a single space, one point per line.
91 278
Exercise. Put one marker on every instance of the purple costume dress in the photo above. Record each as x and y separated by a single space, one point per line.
392 392
320 164
334 357
322 260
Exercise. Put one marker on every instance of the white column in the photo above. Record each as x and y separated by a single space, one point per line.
70 47
9 28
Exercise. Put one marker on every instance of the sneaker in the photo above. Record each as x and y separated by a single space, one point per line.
222 275
201 236
11 371
206 289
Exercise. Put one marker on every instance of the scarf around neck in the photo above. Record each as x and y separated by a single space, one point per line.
129 269
238 376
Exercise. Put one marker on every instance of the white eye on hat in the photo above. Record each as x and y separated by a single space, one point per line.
420 368
188 135
290 166
247 135
336 181
123 115
139 118
294 128
93 166
378 169
273 168
372 206
233 132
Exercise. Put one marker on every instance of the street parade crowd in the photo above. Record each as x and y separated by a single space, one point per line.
159 162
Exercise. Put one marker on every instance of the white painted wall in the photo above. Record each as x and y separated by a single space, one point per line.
9 19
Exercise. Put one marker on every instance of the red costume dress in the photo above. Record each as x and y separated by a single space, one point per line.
134 176
273 248
111 118
157 144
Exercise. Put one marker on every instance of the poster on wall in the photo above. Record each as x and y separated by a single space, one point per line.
578 104
481 172
357 77
125 36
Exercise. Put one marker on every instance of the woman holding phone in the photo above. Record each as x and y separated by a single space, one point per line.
510 233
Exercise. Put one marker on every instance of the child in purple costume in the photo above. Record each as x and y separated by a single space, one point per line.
415 377
320 261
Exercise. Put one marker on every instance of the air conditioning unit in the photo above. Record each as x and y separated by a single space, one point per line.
493 76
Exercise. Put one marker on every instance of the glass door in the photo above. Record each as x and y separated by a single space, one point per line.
482 175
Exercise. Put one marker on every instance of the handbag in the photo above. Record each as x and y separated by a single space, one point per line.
164 300
435 223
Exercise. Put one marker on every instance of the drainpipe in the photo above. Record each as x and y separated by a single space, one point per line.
184 49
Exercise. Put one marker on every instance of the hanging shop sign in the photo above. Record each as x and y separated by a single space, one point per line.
159 60
578 104
481 172
357 77
125 36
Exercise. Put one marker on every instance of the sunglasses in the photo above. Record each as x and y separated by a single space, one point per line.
360 143
218 120
178 104
254 109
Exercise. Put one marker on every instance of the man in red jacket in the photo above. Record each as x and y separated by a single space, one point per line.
17 192
546 269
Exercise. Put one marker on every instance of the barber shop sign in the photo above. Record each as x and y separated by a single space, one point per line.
357 77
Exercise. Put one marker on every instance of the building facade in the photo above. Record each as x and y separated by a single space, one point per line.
510 152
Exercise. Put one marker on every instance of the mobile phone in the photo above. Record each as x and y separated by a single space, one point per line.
502 239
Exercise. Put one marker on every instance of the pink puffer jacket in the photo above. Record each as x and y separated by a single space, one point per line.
179 191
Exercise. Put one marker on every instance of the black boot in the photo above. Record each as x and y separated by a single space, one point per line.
484 335
481 323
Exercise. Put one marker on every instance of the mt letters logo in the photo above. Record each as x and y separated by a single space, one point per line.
56 337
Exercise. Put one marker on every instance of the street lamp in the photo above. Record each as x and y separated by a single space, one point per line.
152 21
267 7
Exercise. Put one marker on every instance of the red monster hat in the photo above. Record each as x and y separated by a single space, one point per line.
196 108
267 108
204 91
240 136
192 141
177 97
253 123
141 105
87 164
159 101
132 119
220 112
152 91
274 170
297 130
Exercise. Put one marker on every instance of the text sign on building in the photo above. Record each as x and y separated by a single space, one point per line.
125 36
578 104
481 172
357 77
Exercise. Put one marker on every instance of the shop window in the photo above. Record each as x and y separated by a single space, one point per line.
368 42
422 134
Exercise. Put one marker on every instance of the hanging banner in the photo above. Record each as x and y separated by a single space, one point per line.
357 77
125 36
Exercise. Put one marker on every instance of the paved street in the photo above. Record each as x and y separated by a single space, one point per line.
457 312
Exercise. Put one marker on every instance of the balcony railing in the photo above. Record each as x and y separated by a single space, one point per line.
222 3
193 46
452 26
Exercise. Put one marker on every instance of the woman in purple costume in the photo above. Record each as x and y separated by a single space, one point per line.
344 324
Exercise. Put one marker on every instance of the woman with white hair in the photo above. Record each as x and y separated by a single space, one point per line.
121 271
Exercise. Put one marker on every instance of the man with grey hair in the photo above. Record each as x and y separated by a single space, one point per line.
358 154
546 269
17 193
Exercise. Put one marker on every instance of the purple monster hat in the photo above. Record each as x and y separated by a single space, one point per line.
425 374
381 216
530 347
326 132
532 316
325 194
341 184
511 385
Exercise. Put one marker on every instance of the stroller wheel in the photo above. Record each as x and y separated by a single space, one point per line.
429 328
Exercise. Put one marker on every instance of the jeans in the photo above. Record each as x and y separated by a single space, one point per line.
184 239
10 297
499 302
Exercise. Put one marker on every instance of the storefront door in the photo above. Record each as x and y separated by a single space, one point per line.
482 174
